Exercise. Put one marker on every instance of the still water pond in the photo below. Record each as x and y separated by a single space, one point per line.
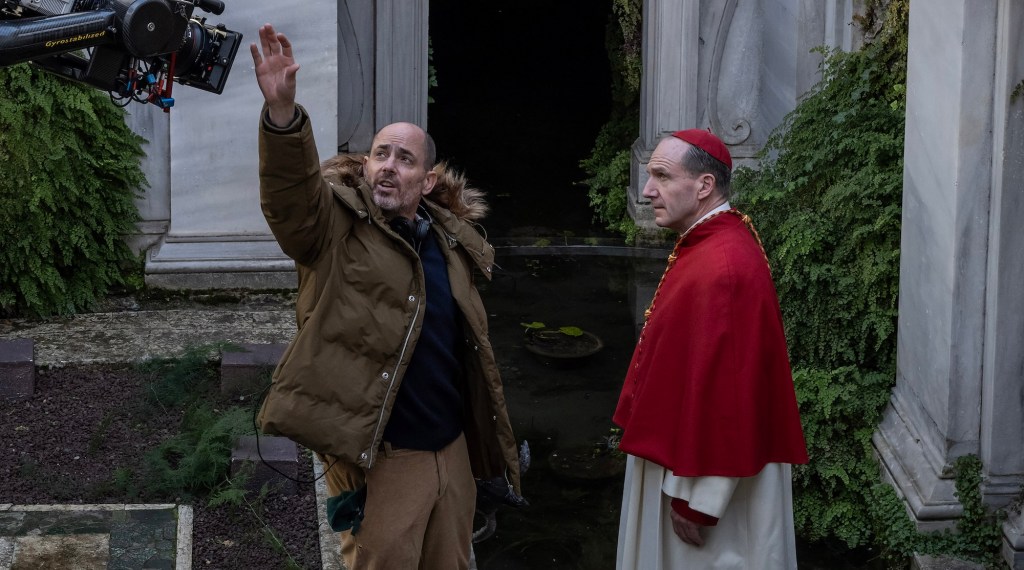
563 409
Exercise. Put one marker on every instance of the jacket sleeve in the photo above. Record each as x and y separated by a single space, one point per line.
295 199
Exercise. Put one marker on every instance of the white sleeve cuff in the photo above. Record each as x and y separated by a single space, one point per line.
709 495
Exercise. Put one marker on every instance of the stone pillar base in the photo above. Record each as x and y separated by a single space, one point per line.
929 498
219 263
1013 539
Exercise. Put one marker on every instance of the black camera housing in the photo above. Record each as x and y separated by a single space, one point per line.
134 49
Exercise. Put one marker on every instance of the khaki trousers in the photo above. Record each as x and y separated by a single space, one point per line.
419 511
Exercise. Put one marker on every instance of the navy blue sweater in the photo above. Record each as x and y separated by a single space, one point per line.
428 409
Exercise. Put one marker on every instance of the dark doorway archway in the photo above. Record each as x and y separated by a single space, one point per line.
523 89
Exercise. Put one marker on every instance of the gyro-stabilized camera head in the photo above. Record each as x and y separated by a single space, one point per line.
135 49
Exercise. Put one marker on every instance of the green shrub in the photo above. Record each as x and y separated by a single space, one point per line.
827 197
70 166
827 201
828 500
607 167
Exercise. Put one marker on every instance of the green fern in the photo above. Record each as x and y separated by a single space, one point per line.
827 201
839 409
197 460
232 494
70 168
978 534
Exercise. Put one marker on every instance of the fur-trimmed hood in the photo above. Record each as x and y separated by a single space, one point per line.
452 190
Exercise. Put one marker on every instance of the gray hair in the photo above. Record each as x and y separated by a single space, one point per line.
429 151
697 161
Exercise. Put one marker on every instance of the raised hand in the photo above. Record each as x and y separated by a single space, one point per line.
275 74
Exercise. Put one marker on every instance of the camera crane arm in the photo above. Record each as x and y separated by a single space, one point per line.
40 37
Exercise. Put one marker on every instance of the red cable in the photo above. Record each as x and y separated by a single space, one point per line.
170 78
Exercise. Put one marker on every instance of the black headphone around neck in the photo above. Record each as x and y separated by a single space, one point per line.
422 227
412 231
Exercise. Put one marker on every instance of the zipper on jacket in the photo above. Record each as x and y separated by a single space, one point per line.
391 384
451 239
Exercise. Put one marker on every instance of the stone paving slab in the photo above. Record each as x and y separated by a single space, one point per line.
330 542
96 537
134 336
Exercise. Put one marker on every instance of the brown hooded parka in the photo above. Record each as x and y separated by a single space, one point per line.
360 307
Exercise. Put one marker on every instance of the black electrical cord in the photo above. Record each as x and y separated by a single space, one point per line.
255 412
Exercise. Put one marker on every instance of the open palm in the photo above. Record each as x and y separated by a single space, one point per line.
275 73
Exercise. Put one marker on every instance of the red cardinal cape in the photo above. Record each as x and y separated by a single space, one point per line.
709 390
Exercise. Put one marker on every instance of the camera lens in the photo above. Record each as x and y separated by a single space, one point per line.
191 53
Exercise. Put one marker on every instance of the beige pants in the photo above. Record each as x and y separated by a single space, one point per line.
419 511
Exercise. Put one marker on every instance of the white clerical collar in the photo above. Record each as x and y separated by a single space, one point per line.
724 206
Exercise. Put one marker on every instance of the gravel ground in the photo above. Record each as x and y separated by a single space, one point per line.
85 428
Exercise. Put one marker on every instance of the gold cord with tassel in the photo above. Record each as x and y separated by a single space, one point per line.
679 242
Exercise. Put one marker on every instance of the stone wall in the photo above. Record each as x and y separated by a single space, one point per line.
734 67
364 65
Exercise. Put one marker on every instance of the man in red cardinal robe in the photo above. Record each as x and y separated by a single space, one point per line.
708 410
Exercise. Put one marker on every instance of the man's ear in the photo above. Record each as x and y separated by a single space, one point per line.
362 169
707 186
429 182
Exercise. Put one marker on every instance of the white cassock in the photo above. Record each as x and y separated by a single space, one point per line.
754 530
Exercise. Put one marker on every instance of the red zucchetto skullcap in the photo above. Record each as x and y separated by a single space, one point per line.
708 142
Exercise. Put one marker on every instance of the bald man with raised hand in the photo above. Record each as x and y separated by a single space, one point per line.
390 378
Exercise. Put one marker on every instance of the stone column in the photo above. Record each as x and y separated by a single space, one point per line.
840 31
961 315
154 201
382 68
734 67
1002 396
356 38
401 62
668 95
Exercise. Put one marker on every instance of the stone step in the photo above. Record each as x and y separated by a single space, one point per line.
926 562
246 371
266 460
17 368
